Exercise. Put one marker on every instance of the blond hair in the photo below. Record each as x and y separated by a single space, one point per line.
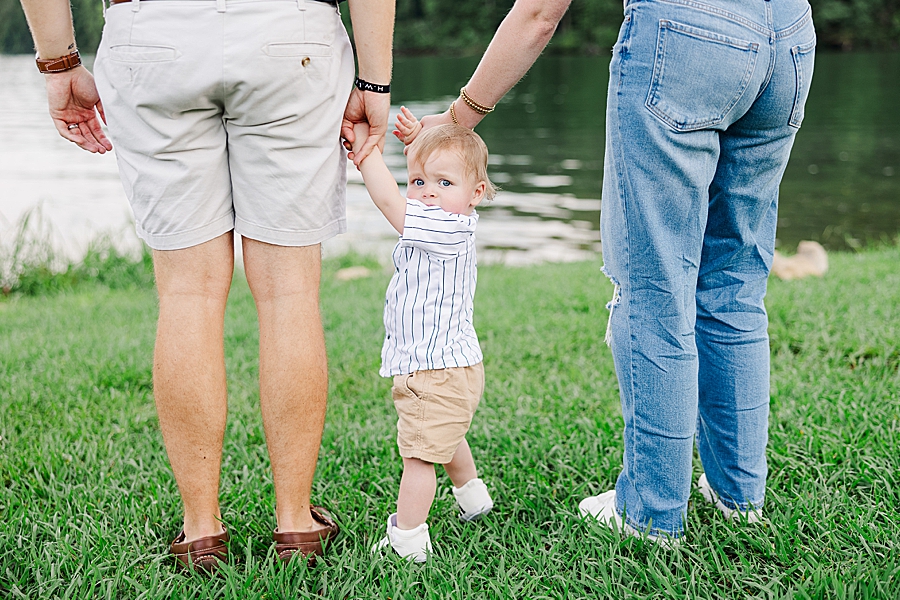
465 142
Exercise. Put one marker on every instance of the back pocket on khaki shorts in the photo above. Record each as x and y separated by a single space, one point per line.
698 75
293 49
142 54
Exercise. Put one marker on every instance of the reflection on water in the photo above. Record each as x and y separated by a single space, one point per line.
842 186
81 197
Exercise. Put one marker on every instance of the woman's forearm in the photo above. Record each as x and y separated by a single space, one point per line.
519 40
51 26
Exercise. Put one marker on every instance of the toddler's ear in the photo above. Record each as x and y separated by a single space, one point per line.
478 194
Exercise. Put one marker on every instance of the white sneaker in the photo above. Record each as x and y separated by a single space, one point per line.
603 508
473 500
752 515
411 544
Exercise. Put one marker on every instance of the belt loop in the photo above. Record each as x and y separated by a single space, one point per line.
135 5
220 5
301 4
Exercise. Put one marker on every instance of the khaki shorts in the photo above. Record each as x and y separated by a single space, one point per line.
226 116
435 409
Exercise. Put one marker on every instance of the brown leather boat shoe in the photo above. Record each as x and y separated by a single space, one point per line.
308 544
204 554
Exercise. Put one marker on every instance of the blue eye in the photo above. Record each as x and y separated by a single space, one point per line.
418 182
444 183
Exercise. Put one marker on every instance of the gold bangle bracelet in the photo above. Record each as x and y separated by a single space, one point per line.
453 113
479 108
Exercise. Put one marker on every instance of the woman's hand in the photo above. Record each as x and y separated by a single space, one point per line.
426 122
443 118
73 100
465 116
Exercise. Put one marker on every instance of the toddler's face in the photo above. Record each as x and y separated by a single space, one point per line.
443 181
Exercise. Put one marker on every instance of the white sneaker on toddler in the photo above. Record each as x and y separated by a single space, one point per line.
473 500
411 544
752 515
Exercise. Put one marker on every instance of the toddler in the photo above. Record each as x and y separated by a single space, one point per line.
430 347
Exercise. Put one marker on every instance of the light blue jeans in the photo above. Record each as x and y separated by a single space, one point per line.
705 98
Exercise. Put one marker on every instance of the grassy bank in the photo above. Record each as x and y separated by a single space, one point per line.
88 504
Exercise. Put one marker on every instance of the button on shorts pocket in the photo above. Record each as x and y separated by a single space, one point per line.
698 75
307 64
804 59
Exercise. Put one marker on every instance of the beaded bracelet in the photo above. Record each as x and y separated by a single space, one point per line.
479 108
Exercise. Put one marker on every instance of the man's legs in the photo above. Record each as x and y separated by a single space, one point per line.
189 373
293 371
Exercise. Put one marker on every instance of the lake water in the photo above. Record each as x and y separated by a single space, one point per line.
842 186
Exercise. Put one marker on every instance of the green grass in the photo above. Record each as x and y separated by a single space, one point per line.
30 265
88 505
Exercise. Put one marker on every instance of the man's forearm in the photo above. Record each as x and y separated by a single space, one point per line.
51 26
373 33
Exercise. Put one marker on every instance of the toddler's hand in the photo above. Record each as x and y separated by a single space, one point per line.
361 131
408 126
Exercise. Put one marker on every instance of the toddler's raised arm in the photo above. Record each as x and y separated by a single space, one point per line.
380 182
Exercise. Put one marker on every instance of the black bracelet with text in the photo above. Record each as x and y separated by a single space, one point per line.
372 87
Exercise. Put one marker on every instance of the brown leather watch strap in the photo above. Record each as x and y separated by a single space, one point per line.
58 65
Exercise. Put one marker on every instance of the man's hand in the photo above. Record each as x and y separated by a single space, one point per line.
371 108
73 100
408 126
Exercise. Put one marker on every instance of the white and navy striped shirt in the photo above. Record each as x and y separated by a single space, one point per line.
429 302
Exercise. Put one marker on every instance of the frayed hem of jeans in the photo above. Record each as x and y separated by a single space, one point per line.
616 299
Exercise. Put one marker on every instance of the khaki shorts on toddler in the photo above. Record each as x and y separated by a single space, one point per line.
435 409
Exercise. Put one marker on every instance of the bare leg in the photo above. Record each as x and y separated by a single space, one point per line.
293 371
461 467
189 373
417 487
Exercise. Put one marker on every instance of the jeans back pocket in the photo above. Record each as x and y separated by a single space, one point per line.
804 57
698 75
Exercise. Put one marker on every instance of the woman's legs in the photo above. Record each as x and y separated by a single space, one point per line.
687 223
731 329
